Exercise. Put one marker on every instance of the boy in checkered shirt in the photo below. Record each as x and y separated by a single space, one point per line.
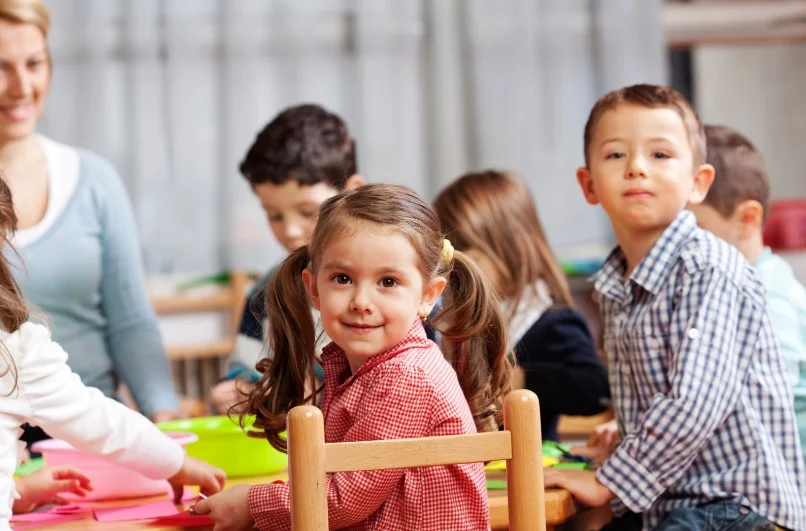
698 382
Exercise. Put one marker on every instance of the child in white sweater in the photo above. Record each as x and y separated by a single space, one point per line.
37 387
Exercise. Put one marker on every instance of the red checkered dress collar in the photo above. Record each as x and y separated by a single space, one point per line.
337 368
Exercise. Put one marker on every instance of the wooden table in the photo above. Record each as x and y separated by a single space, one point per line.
560 508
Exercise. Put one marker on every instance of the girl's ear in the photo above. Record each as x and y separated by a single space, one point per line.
433 289
309 279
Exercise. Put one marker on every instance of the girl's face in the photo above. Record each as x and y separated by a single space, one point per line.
370 291
24 79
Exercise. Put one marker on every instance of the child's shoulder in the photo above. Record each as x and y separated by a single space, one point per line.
424 366
704 254
28 338
779 278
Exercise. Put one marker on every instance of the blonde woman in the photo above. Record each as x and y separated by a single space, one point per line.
77 236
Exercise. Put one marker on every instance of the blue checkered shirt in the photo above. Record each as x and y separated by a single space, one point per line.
698 383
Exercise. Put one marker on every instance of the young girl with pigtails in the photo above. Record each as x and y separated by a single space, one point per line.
375 267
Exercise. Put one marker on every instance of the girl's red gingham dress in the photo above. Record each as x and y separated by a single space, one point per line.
408 391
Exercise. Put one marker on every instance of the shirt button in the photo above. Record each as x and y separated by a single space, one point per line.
652 342
625 369
693 333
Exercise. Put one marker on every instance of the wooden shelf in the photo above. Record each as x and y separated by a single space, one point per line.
192 304
701 23
218 349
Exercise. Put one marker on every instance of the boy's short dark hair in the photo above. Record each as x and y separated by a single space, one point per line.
650 96
304 143
741 174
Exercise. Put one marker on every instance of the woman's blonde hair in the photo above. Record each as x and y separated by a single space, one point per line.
494 213
470 320
26 12
13 312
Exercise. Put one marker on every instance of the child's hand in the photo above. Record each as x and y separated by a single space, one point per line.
44 485
194 472
230 509
605 435
228 393
582 484
596 454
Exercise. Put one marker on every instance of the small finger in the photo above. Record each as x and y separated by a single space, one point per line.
179 491
201 507
585 451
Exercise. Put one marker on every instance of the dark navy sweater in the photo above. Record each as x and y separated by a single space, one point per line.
559 359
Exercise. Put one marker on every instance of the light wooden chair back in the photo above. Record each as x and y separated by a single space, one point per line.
310 459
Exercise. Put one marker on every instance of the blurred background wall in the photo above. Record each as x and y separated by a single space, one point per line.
173 92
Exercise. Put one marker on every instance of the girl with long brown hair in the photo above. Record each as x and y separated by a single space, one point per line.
491 216
375 267
37 386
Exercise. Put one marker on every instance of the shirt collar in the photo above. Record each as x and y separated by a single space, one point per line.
653 269
336 366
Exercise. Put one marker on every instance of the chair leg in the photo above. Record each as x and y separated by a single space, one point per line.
525 491
307 479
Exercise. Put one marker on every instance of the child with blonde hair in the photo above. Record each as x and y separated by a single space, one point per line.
491 217
376 264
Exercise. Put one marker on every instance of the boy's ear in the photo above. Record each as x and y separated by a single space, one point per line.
585 181
751 215
309 279
703 178
354 181
431 294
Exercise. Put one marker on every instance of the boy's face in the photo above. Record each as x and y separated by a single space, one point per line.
641 169
292 209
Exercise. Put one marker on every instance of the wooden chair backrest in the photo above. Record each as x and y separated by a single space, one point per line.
311 459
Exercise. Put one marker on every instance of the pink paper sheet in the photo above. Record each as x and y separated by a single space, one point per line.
43 520
135 512
67 509
34 517
183 519
46 516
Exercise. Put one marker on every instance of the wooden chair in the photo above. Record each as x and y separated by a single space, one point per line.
198 366
310 459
